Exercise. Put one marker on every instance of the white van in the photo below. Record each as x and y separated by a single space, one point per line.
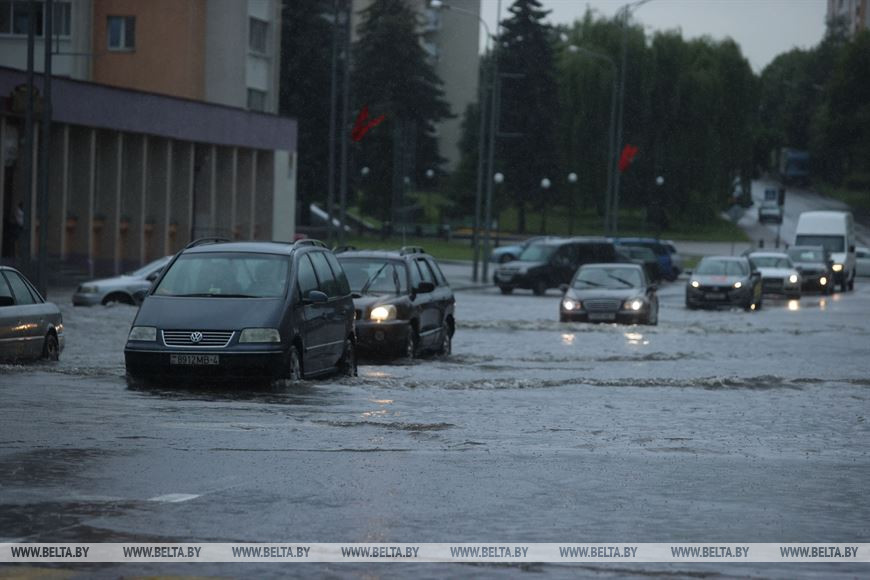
835 230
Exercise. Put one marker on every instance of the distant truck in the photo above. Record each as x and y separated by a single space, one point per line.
793 166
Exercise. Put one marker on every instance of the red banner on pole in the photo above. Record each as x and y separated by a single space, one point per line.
627 157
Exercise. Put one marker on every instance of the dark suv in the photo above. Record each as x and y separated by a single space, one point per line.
550 263
242 311
404 305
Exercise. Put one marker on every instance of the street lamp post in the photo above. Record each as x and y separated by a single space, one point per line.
611 159
626 12
498 178
545 186
572 179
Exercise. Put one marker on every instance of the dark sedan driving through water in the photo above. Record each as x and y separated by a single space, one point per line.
724 281
610 293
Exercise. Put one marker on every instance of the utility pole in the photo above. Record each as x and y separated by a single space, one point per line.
493 118
27 157
333 101
345 97
45 153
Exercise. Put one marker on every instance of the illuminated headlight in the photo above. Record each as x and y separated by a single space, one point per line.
823 281
738 284
260 335
793 278
569 304
88 289
837 268
633 304
695 283
382 313
144 333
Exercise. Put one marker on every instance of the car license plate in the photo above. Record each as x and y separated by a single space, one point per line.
194 359
602 316
714 296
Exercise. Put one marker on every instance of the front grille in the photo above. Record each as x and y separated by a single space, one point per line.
772 284
602 305
715 288
210 338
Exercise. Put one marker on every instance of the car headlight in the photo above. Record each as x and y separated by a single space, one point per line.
85 289
633 304
793 278
144 333
738 284
837 268
569 304
382 313
260 335
823 280
695 283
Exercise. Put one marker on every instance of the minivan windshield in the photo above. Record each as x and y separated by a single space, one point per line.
538 253
226 275
830 243
722 268
374 276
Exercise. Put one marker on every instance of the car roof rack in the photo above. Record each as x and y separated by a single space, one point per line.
412 250
340 249
309 242
202 241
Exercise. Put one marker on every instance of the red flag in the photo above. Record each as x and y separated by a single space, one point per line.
362 124
627 157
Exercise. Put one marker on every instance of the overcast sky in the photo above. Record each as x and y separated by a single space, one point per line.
762 28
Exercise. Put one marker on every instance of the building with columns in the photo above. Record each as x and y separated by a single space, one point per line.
163 130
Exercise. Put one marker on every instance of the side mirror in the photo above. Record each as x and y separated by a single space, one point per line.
688 272
852 249
7 301
316 297
139 296
651 288
425 288
563 288
153 275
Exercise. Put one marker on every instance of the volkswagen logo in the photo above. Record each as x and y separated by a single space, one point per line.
195 337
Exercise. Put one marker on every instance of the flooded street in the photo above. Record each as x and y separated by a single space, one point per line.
721 426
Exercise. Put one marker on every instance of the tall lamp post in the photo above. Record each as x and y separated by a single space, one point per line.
625 10
545 187
611 159
498 178
572 180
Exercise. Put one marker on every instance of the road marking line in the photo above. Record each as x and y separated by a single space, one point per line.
175 497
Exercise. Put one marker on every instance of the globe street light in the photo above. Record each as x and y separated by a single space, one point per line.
660 180
498 178
545 185
572 179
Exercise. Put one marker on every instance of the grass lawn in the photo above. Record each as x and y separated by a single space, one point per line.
441 249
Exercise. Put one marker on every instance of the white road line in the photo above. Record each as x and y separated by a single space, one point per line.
175 497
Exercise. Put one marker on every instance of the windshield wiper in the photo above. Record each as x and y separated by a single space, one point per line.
372 278
618 279
587 282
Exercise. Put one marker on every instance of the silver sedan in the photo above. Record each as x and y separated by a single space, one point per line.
30 327
121 288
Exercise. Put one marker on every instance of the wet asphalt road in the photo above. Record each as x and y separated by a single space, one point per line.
719 426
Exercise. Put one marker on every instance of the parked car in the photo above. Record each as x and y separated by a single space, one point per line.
770 211
610 293
666 265
404 305
244 311
645 257
814 264
835 230
121 289
862 261
512 252
778 274
549 263
724 281
30 327
676 256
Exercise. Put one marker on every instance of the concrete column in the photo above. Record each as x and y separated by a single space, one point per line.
191 189
265 171
144 197
134 180
57 191
180 197
81 239
154 194
244 177
34 193
253 223
212 191
284 196
167 198
107 202
92 197
65 191
119 175
234 194
3 192
224 189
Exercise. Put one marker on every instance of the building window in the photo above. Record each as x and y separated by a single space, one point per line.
256 100
121 32
15 17
258 32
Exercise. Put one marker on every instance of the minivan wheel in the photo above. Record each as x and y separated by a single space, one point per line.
294 366
505 289
539 288
51 348
347 365
446 347
409 351
852 283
